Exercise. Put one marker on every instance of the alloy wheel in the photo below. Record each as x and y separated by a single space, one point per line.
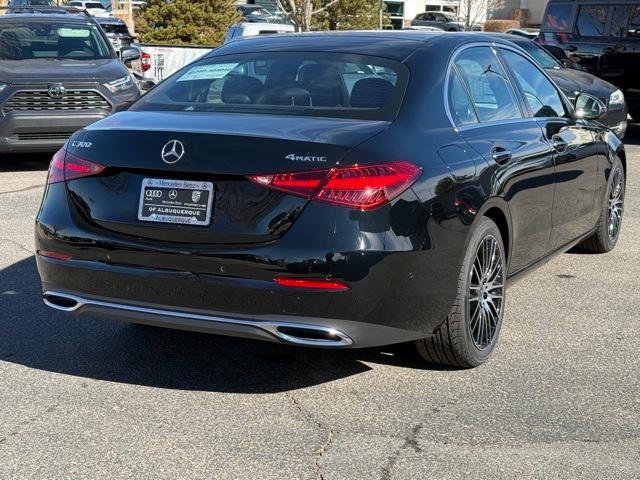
616 204
486 293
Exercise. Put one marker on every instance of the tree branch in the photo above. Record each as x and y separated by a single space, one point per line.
322 9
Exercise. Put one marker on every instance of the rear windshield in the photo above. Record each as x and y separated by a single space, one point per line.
25 40
313 84
115 28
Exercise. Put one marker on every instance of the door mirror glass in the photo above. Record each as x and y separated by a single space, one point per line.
589 107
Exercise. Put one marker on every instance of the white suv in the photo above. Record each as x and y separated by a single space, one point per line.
93 8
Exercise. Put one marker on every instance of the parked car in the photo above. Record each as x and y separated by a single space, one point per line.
423 28
240 30
604 37
58 73
255 194
529 33
442 20
94 8
573 82
117 32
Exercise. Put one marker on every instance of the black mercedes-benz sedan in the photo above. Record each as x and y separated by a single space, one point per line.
333 190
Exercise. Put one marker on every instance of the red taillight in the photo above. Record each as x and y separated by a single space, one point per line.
311 283
145 61
301 183
67 166
360 186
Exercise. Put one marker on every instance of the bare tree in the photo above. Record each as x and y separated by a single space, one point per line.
302 11
474 10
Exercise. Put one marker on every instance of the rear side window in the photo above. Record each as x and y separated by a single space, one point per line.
460 105
487 82
625 21
592 20
557 18
541 96
294 83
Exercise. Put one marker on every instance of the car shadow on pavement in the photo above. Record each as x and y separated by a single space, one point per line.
13 162
37 337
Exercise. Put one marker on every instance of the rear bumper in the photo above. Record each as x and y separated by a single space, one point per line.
401 287
312 332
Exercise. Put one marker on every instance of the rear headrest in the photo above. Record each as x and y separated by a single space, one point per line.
312 71
10 47
371 93
241 89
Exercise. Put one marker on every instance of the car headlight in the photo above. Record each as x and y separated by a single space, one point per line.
119 84
616 98
3 86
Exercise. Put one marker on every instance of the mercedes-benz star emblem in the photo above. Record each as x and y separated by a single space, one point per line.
172 151
56 90
173 194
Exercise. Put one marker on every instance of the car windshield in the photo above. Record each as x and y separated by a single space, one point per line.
540 55
38 39
313 84
94 5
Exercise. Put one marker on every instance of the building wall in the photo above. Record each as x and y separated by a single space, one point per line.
413 7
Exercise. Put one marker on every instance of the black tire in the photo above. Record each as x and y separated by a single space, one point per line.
607 233
455 343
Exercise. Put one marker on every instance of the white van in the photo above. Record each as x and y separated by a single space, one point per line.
247 29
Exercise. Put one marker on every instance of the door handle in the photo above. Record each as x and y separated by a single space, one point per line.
608 50
571 48
500 155
558 143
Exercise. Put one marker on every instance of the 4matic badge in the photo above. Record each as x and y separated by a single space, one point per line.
305 158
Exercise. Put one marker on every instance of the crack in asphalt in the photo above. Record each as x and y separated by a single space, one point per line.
322 449
302 411
17 244
410 441
320 453
24 189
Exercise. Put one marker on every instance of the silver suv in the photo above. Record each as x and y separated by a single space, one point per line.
442 20
58 73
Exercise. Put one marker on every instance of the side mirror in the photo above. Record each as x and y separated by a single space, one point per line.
146 85
589 107
130 54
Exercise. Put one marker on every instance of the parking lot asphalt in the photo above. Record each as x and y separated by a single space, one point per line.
94 398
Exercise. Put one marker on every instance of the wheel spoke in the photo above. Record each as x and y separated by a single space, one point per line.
486 292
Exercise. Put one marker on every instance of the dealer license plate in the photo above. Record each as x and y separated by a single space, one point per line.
175 201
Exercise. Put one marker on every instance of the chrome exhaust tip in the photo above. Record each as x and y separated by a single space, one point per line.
61 301
310 335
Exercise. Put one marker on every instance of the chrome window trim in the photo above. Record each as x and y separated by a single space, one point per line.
495 46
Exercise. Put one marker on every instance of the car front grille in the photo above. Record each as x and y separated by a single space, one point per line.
43 136
40 101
